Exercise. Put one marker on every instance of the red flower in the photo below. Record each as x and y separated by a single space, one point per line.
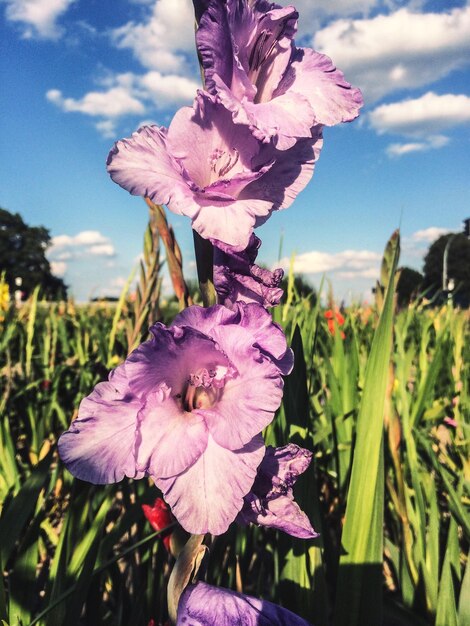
332 316
159 516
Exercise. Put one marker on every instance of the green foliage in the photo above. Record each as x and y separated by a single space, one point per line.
78 553
409 286
458 266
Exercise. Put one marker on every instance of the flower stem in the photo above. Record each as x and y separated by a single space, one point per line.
204 261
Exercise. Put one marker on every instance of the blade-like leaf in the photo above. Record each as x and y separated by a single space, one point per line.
360 571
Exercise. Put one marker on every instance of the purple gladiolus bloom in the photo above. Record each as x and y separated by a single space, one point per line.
186 408
204 605
238 279
205 167
251 63
271 501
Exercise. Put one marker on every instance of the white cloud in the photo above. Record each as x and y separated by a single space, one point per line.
357 262
160 42
369 272
170 89
83 238
113 103
106 128
311 14
58 268
38 17
128 94
428 235
104 249
431 143
402 50
420 117
86 242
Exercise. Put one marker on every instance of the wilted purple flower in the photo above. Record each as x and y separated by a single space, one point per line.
204 605
251 63
186 408
238 278
205 166
271 501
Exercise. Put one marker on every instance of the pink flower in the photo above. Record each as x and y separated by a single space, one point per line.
187 408
213 171
253 66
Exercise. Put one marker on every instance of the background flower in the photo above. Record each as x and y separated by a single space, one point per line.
159 517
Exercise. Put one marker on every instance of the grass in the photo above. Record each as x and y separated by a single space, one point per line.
386 411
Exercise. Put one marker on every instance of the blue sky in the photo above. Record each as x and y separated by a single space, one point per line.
80 74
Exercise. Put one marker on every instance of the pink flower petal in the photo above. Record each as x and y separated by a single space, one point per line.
207 496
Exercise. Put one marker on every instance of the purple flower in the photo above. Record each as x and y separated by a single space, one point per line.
251 63
186 408
204 605
205 167
271 501
238 278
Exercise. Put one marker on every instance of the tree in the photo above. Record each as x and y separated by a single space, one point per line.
409 286
458 266
23 255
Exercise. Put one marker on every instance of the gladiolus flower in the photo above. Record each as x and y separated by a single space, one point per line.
271 500
204 605
186 408
205 167
251 63
334 318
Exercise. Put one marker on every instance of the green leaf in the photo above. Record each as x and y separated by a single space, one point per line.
16 515
464 599
360 570
446 608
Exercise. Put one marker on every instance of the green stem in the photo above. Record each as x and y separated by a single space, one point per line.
205 261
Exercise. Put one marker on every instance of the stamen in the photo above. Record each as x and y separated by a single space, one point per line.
229 165
201 390
258 56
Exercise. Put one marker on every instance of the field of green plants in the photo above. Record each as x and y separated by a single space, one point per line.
383 402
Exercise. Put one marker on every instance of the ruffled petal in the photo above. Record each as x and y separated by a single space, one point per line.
284 119
143 166
232 222
215 45
281 513
169 439
207 496
261 331
249 400
238 278
207 143
271 500
204 605
314 75
267 336
99 445
206 319
290 174
169 358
